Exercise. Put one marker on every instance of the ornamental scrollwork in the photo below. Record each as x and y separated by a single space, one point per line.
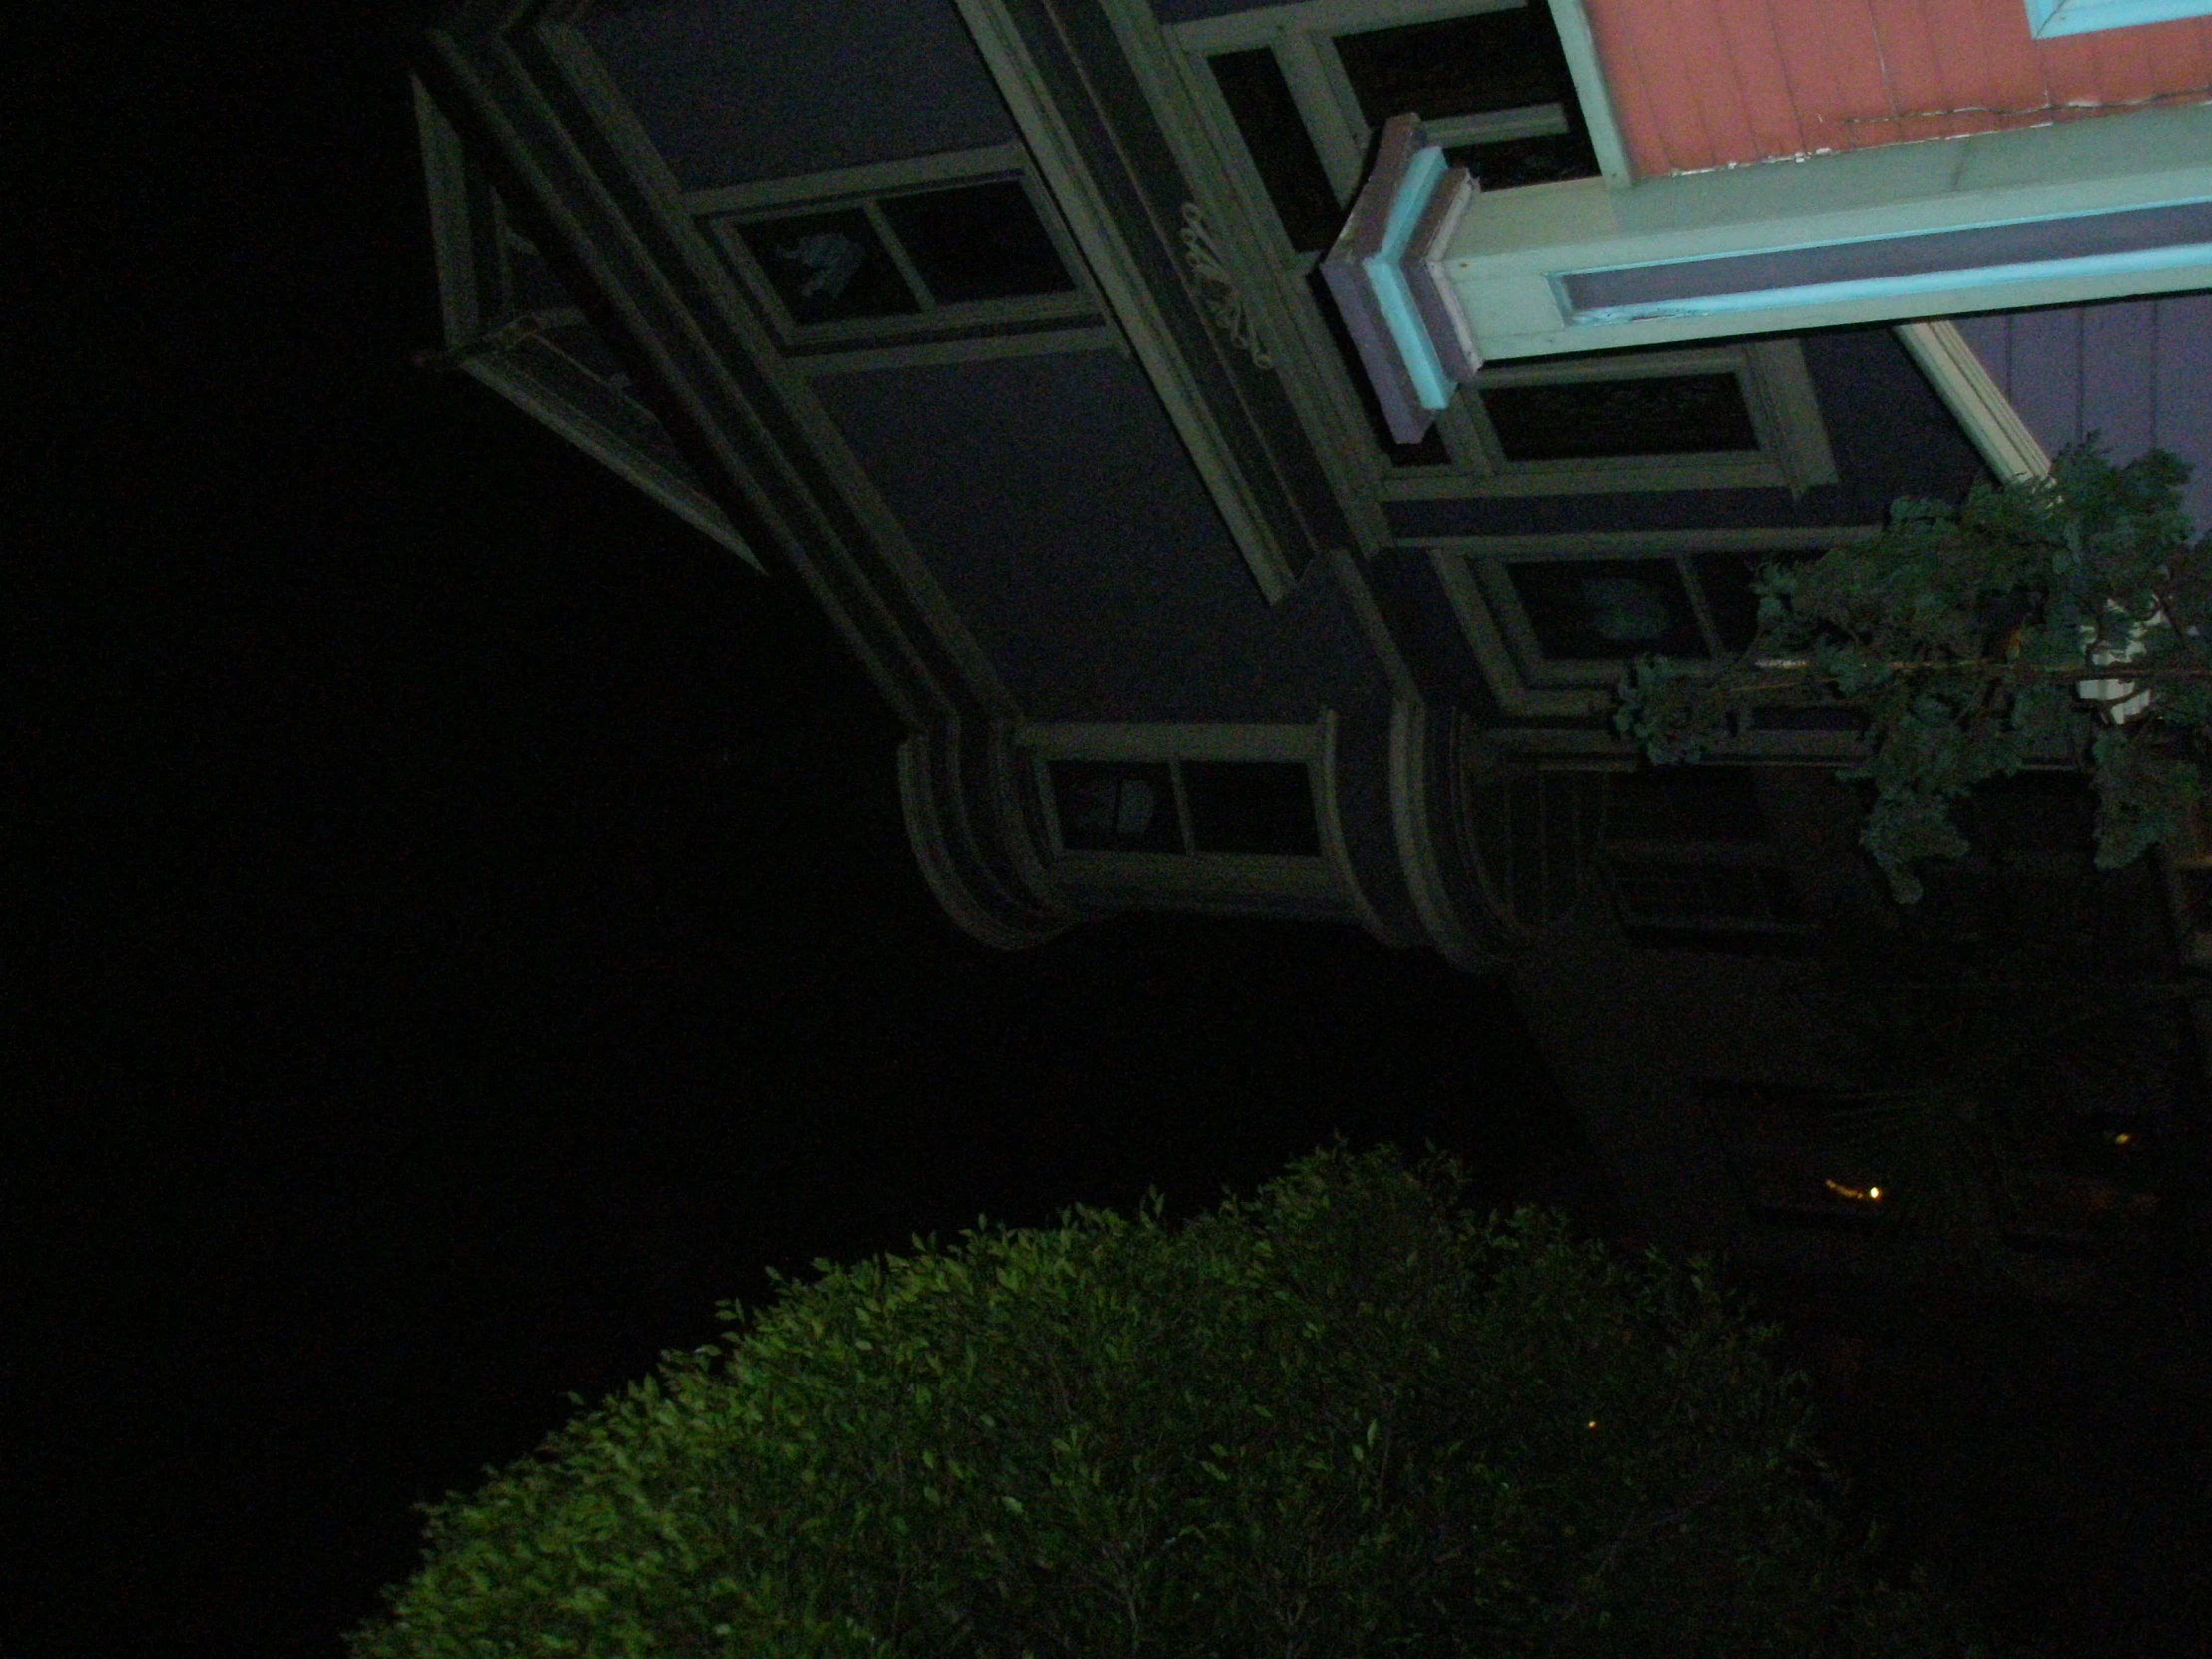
1203 255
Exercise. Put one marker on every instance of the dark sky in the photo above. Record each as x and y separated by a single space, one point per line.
460 920
459 927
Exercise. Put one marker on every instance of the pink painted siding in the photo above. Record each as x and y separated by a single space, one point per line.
2137 370
1711 83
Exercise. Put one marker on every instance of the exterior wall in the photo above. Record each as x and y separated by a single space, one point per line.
2137 370
1717 83
1890 434
1050 497
731 92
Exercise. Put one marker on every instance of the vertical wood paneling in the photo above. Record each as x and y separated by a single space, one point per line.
2120 346
2124 67
1634 109
1992 339
1707 83
1769 109
2047 374
2181 391
1860 114
1908 59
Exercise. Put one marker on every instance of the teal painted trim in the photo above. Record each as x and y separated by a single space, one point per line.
1413 190
1885 288
1386 279
2046 18
1422 366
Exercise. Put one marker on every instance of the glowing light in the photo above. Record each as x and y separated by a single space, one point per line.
2123 1137
1594 1422
1859 1194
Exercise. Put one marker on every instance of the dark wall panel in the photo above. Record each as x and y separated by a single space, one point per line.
736 90
1052 500
2137 370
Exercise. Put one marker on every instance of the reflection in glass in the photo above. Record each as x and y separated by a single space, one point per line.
1585 609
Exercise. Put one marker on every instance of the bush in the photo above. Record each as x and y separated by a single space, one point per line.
1348 1420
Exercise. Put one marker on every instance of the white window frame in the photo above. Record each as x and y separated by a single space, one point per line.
958 332
1319 885
1793 450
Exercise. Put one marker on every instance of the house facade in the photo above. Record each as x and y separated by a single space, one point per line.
1000 325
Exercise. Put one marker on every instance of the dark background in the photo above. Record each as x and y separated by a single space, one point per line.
463 923
460 926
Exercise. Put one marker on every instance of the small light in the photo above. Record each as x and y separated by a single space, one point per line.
1594 1422
1874 1193
1861 1195
2123 1137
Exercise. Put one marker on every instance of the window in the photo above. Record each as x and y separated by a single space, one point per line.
1205 806
1571 618
1715 417
1295 96
1692 865
1237 819
1300 95
960 247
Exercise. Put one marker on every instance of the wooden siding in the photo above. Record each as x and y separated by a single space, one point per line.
2137 370
1714 82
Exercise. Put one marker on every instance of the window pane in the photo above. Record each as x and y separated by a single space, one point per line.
1583 608
1498 59
1504 164
1259 98
1115 807
1251 807
829 267
1581 421
978 241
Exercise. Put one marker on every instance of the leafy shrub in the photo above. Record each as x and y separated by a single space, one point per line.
1348 1420
1968 639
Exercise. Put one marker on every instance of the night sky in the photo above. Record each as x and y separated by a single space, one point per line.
462 921
460 926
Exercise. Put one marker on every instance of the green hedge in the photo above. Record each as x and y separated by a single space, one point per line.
1346 1420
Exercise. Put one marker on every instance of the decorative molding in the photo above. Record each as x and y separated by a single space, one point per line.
1963 382
1338 851
926 795
1203 255
1066 159
1416 840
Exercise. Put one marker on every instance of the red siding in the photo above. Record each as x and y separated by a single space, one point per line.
1711 83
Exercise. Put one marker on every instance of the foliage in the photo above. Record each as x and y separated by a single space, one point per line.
1961 636
1346 1420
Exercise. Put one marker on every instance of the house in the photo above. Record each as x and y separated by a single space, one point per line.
1001 326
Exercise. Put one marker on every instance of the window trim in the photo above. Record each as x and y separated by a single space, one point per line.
1499 634
1792 453
1300 34
956 333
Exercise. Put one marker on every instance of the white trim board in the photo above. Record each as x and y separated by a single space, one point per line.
1516 250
